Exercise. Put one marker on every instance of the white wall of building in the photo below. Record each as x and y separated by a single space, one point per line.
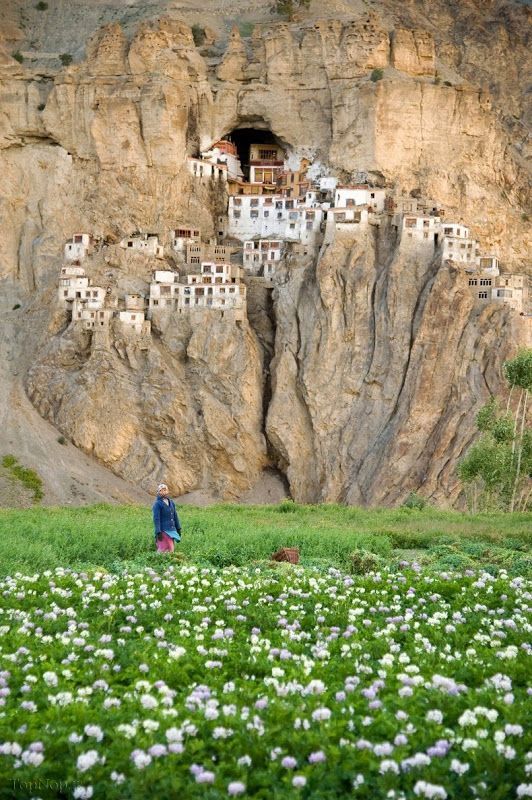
455 229
360 196
231 161
458 249
206 169
272 217
147 245
76 248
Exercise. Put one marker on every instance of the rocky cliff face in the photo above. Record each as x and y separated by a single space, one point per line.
359 379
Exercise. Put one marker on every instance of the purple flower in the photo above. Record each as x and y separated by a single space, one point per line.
289 762
317 758
236 787
205 777
157 750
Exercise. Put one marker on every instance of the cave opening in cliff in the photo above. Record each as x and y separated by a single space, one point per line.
243 138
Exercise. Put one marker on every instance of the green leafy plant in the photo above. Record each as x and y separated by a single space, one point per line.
41 6
41 106
415 501
377 75
61 440
497 470
362 561
65 59
17 305
27 477
18 56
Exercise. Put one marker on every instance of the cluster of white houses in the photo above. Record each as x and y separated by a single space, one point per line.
93 307
217 285
485 279
270 211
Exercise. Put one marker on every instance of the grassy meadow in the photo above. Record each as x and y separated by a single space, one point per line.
120 537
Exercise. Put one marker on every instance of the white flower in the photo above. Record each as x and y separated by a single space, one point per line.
315 687
469 744
176 652
434 715
117 777
388 766
321 714
87 760
236 787
149 702
82 792
384 749
50 678
95 731
221 733
32 759
513 730
106 653
140 759
129 731
174 735
458 767
430 790
524 790
244 761
298 781
467 718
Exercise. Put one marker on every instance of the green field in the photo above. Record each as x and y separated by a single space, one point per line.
119 537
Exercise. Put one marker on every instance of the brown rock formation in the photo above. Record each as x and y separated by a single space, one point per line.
379 358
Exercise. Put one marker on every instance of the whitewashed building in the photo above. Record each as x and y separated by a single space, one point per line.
206 169
134 322
459 250
360 195
72 287
273 217
262 254
164 290
77 247
183 236
511 289
135 301
90 316
225 152
488 264
218 286
145 243
421 227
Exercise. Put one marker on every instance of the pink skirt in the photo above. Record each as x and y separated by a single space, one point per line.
166 544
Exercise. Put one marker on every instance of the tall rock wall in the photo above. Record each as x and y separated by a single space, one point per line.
360 379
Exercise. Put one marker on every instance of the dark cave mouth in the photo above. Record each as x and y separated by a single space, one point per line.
243 138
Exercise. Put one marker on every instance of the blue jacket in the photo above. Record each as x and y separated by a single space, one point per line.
165 517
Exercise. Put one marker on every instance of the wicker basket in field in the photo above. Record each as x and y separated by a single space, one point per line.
290 554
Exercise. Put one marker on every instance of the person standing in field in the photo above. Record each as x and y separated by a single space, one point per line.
165 521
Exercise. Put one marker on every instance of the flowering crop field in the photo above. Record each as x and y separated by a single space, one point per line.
193 682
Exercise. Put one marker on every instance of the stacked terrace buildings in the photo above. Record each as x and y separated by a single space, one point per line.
277 211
